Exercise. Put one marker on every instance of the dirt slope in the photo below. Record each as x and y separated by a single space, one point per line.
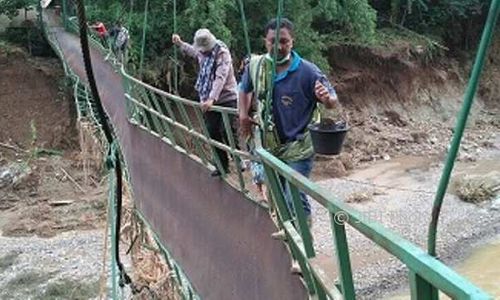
32 92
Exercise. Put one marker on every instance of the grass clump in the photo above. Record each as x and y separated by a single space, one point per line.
8 260
25 280
69 289
475 189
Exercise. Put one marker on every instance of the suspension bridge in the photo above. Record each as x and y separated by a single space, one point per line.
214 235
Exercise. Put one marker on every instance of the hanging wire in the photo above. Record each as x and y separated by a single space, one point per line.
143 44
245 27
176 68
130 12
270 92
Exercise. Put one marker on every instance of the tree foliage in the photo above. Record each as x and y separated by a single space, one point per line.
11 8
457 23
318 23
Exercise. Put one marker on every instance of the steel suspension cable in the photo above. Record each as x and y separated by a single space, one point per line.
245 27
129 18
176 70
461 122
270 92
143 43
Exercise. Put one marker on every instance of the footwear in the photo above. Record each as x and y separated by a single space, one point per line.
295 268
217 173
279 235
243 166
309 221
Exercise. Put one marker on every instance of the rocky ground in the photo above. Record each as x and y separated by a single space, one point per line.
52 208
67 266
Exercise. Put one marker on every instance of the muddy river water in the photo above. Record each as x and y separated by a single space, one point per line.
482 268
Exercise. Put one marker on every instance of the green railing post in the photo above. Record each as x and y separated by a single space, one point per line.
461 122
420 288
343 260
233 144
187 121
277 194
112 219
129 107
166 127
215 157
301 221
298 253
65 14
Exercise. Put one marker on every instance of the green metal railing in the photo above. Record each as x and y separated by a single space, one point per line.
180 123
427 271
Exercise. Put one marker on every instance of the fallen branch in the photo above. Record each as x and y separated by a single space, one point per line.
60 202
13 148
73 180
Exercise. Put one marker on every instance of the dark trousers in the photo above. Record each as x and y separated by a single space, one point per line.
216 130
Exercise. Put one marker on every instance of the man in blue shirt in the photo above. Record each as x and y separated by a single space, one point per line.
298 86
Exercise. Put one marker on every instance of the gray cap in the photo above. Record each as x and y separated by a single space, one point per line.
204 40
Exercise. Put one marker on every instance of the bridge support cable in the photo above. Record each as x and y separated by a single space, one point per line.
461 122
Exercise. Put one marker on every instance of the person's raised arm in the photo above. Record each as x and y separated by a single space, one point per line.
324 91
185 47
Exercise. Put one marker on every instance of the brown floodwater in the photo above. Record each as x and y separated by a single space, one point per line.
482 268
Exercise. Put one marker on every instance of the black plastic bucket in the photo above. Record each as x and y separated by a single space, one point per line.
328 140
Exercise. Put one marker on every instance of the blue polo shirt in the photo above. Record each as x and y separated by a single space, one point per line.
294 99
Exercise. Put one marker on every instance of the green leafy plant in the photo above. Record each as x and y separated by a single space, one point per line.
11 8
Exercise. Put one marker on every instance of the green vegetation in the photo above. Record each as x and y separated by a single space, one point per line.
11 7
428 26
37 286
25 281
476 189
7 260
68 289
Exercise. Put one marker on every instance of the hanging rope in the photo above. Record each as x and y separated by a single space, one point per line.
143 44
113 160
130 12
245 27
176 71
270 92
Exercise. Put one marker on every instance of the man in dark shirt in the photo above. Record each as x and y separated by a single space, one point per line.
298 86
